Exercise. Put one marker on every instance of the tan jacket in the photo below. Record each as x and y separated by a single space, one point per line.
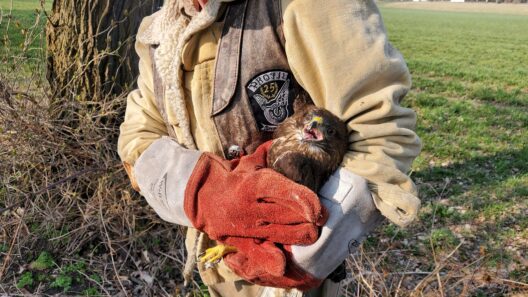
337 50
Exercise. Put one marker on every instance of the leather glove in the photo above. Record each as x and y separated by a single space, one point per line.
242 198
352 215
238 198
255 258
268 264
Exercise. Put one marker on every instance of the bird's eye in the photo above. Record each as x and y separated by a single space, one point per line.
308 117
331 131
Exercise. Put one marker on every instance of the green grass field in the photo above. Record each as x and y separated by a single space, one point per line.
21 36
470 91
18 17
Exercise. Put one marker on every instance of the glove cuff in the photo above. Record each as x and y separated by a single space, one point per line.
353 215
162 173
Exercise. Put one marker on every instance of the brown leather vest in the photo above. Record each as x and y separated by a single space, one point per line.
254 89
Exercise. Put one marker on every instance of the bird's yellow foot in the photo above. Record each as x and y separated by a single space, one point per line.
215 254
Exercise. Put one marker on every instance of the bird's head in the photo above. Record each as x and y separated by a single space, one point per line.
314 138
316 129
320 126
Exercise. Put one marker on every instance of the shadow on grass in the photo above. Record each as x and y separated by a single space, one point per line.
486 173
483 200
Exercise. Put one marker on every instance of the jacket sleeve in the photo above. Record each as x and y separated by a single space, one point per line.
143 123
339 52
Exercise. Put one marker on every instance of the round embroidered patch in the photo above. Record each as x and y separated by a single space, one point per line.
271 98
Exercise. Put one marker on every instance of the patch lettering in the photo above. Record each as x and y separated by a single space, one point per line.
271 98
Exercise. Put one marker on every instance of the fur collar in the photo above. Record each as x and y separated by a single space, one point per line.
171 28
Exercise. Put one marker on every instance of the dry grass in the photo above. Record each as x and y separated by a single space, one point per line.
63 192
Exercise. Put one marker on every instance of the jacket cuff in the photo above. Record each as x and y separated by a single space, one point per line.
131 177
162 172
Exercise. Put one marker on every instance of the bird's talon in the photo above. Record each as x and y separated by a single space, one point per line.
215 254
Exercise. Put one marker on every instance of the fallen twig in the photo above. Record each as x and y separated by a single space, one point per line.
437 269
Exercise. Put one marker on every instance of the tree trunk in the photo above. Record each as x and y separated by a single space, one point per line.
90 46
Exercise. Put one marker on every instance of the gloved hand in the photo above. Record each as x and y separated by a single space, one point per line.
239 198
352 215
255 258
268 264
242 198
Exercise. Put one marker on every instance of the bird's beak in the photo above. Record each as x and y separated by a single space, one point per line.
316 121
311 131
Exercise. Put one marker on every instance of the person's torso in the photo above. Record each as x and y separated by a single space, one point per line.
237 82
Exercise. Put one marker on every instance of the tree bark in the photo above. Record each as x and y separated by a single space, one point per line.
90 46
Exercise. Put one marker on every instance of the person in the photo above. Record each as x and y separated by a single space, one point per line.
195 114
